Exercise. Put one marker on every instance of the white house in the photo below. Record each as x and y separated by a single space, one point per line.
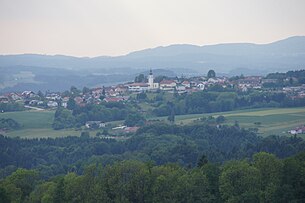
138 87
201 86
186 84
168 85
52 104
95 124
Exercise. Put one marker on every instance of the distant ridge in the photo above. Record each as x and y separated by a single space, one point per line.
281 55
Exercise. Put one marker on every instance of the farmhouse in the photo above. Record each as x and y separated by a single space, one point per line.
95 124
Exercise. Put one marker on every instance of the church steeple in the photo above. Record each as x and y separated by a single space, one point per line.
151 80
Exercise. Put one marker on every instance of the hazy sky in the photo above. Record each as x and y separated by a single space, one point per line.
115 27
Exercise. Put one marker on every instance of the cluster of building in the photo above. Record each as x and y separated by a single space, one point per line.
297 130
122 92
31 98
181 85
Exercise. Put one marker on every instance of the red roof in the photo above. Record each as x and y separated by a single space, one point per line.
139 84
131 129
113 99
164 82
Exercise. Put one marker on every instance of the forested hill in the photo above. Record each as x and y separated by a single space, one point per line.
160 163
160 143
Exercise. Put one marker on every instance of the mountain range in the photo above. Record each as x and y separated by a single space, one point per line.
229 59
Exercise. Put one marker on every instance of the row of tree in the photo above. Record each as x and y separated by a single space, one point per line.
208 102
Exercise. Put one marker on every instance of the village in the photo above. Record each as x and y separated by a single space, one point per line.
124 92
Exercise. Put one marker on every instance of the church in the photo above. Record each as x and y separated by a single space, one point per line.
151 84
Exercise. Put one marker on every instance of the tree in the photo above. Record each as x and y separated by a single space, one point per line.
171 117
71 104
4 197
141 96
86 90
40 94
104 92
134 119
74 91
20 184
140 78
239 182
211 74
220 119
270 174
202 161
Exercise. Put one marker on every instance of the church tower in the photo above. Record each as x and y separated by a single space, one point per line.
151 80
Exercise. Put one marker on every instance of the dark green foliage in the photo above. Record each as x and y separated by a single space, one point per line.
211 74
103 112
159 142
202 161
265 179
71 104
141 96
290 78
220 119
11 106
63 119
219 101
135 119
140 78
9 124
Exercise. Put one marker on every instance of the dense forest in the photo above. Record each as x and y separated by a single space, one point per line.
160 143
264 178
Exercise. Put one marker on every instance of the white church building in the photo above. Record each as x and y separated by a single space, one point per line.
151 84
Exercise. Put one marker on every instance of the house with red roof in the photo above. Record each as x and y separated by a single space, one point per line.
168 85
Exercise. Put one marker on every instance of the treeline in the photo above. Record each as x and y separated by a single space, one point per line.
160 143
264 178
77 116
289 78
209 102
9 124
11 106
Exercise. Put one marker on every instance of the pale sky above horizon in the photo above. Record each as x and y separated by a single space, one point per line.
116 27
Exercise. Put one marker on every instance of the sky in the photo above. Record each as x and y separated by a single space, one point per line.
117 27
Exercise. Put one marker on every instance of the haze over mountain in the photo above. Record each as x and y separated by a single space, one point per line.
280 55
231 59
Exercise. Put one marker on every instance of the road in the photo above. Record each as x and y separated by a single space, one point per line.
34 108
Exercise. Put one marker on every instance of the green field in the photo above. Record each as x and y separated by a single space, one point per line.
37 124
273 120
